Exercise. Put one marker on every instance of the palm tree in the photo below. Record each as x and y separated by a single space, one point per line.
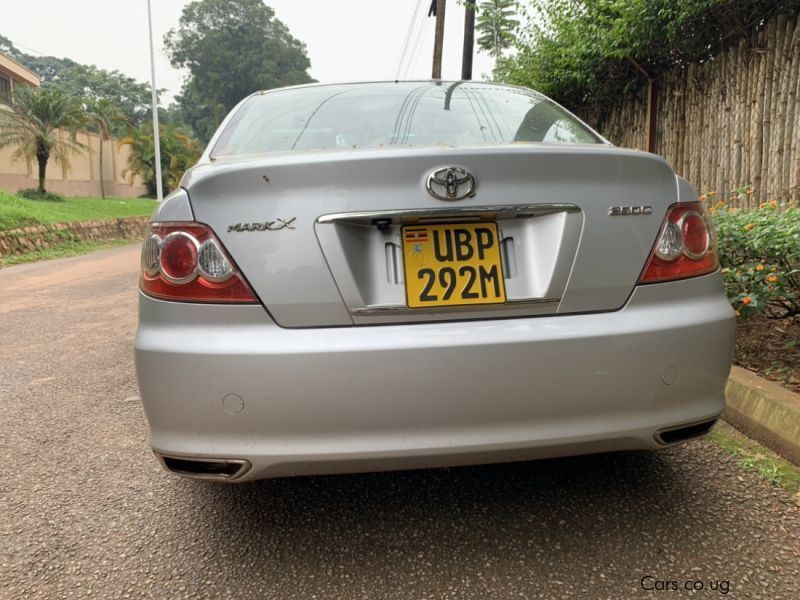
34 122
179 151
104 114
496 24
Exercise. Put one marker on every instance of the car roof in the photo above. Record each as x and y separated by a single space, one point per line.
437 82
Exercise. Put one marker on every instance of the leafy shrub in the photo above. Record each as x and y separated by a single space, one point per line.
760 256
588 52
35 194
179 151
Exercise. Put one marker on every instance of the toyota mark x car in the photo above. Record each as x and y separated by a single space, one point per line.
378 276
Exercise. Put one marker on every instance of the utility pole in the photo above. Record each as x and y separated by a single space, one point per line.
438 9
469 40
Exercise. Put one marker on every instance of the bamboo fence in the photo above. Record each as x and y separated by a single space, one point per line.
730 123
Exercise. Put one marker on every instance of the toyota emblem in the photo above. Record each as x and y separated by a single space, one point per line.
451 183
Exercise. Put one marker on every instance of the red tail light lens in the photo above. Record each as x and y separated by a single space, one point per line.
186 262
178 257
685 247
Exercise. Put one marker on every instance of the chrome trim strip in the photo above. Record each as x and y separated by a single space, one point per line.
509 211
402 309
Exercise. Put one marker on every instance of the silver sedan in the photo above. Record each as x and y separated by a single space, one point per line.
379 276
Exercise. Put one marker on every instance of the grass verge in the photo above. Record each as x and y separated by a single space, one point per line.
18 212
755 457
63 251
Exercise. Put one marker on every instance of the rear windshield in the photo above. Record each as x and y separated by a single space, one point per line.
378 115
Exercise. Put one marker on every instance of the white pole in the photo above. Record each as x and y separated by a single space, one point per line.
156 131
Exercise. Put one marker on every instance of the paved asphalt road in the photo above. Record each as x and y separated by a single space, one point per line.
85 511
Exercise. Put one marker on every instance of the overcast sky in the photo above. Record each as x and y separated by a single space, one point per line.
347 39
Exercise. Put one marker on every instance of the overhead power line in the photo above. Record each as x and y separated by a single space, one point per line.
418 46
414 25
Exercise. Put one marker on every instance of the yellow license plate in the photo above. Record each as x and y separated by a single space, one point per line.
452 265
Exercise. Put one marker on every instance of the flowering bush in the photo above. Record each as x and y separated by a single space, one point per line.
760 256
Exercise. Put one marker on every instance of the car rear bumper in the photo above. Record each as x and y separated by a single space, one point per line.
225 382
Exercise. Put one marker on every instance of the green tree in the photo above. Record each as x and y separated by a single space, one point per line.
591 51
496 25
34 123
179 151
131 98
104 115
88 81
231 48
46 67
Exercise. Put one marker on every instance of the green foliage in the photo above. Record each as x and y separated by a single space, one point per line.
88 83
47 67
131 98
16 212
590 51
752 456
105 116
760 255
32 123
496 26
36 194
231 49
179 151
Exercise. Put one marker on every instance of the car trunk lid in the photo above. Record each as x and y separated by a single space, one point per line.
319 235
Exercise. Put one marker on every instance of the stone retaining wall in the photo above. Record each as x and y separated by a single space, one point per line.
39 237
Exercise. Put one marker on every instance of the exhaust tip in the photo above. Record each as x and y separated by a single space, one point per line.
210 469
684 433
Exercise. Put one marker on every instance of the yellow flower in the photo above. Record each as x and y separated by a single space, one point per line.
703 198
746 300
712 194
759 267
748 227
712 210
773 269
720 204
762 205
733 210
772 278
773 203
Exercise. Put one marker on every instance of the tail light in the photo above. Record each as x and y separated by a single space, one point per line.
186 262
686 245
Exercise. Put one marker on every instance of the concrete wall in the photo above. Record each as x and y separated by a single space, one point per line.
82 177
